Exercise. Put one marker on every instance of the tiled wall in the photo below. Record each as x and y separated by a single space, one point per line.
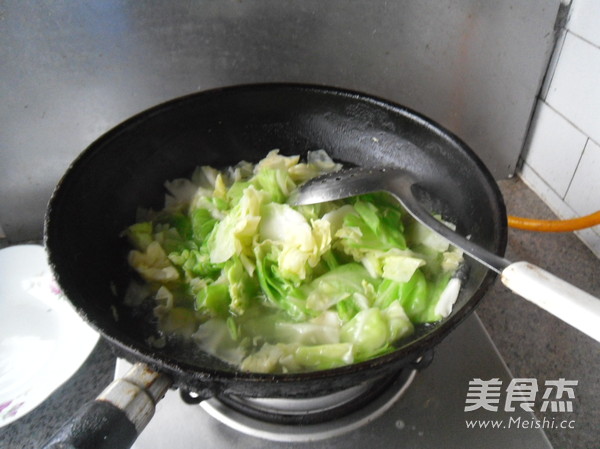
562 157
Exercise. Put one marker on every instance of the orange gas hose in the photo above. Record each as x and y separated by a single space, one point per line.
574 224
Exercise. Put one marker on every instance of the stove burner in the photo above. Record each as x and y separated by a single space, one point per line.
308 410
294 420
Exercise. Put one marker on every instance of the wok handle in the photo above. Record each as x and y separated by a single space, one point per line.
117 416
563 300
98 425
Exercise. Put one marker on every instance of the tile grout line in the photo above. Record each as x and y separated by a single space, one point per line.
587 236
576 168
573 124
587 41
555 210
529 167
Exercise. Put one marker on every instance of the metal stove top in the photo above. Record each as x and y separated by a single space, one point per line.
429 413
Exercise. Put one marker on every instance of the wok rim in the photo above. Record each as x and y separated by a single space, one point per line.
134 350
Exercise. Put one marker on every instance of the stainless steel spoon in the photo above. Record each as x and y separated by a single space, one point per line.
565 301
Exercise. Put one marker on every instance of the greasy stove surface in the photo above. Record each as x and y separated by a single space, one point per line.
430 414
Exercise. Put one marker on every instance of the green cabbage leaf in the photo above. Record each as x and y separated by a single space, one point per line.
272 287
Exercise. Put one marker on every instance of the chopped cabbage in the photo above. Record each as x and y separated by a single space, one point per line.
270 287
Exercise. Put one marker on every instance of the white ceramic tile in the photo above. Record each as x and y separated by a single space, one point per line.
575 88
590 237
546 193
584 193
585 20
554 148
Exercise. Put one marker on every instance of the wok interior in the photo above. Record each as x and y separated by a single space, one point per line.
126 168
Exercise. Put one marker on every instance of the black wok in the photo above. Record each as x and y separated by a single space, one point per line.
127 167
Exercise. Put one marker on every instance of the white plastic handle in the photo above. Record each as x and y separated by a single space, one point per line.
563 300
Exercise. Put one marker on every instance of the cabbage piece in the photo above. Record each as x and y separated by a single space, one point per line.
368 332
258 323
434 311
215 299
214 337
271 358
369 229
336 217
301 173
329 260
181 191
172 229
153 264
274 160
278 290
322 160
202 223
169 238
216 207
195 263
301 245
400 267
416 301
220 190
317 162
140 235
307 333
389 291
241 171
210 182
136 293
283 224
165 302
430 300
293 263
347 308
452 259
242 287
324 329
235 192
277 183
421 234
326 356
399 325
179 320
174 316
321 232
447 298
234 234
205 177
338 284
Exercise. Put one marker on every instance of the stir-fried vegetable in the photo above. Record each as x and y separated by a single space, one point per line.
274 288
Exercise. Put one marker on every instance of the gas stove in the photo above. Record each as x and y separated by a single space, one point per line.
416 409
